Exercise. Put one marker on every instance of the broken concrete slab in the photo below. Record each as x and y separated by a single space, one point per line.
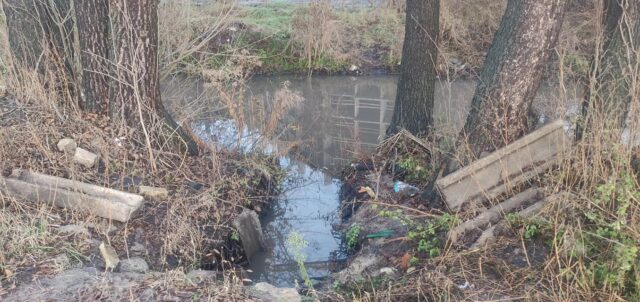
67 145
488 236
153 193
67 193
495 213
85 157
498 172
250 231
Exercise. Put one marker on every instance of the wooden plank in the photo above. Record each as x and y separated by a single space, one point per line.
103 202
514 164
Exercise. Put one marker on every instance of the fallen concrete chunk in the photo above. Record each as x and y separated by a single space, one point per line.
489 236
248 226
494 214
134 265
269 293
109 255
66 193
153 193
67 145
514 164
85 157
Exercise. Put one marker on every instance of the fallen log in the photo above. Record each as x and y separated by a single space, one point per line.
495 174
495 213
75 195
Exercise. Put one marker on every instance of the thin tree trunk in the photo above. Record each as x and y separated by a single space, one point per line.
414 101
24 31
510 77
616 79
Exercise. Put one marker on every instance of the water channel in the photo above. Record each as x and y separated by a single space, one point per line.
340 117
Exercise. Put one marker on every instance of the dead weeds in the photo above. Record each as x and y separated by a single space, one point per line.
190 230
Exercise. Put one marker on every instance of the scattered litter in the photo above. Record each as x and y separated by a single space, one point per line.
404 261
464 286
405 189
386 233
369 191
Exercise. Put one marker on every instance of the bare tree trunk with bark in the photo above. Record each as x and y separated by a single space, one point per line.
510 77
416 87
106 54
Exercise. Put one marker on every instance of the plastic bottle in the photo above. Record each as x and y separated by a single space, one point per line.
405 189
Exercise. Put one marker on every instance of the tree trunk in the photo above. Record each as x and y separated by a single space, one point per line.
510 77
615 70
92 43
137 104
105 52
414 102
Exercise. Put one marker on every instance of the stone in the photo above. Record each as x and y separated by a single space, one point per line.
250 231
153 193
138 248
387 271
85 158
357 267
67 145
134 265
73 229
199 275
109 255
269 293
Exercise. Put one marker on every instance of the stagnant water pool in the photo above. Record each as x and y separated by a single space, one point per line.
340 117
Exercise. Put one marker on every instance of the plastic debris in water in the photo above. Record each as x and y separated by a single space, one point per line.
405 189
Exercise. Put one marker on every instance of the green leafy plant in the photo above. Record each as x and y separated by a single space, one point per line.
425 234
352 236
532 228
415 171
609 242
297 243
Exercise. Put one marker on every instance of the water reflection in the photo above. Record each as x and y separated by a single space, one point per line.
344 116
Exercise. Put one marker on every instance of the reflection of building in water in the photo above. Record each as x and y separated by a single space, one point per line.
343 116
340 117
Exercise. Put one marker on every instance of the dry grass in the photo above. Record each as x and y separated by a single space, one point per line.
318 31
189 230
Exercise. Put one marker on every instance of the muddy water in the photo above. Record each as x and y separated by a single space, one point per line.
340 117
